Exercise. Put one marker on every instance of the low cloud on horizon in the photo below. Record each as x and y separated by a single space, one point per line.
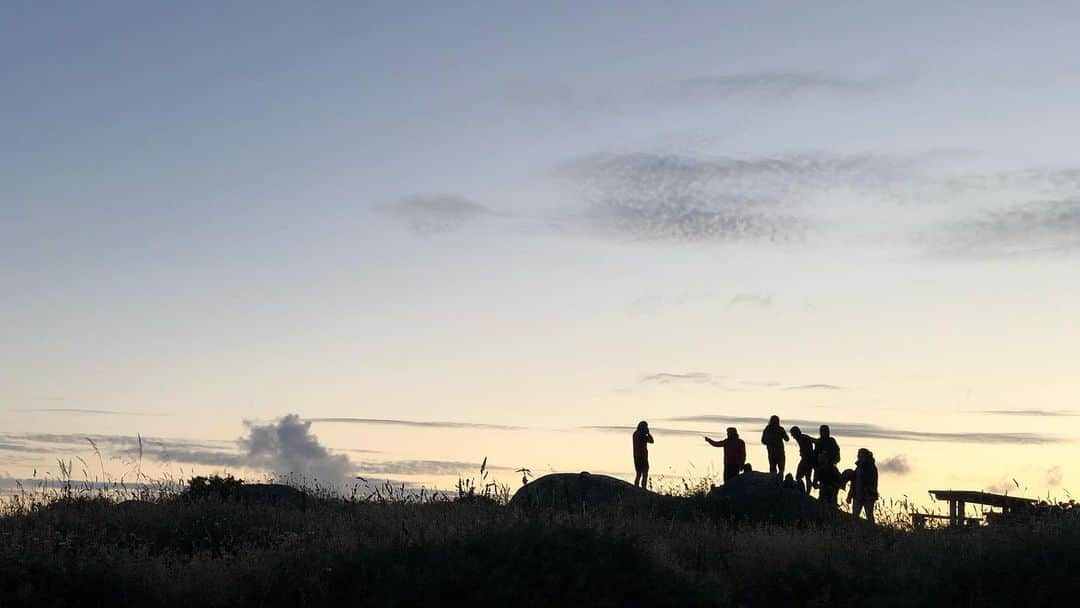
439 424
679 378
843 430
895 465
76 410
1025 412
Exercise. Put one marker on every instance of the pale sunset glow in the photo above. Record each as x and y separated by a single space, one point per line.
390 243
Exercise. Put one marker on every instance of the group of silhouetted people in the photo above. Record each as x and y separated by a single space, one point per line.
819 458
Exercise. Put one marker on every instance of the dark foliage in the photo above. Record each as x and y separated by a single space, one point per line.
209 551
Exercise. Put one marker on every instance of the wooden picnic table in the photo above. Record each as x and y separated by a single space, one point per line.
959 499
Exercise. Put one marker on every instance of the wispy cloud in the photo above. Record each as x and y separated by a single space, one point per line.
751 299
67 441
658 431
755 87
75 410
1025 229
858 430
213 458
218 453
815 387
895 465
284 447
424 467
436 213
1025 412
438 424
19 447
777 85
679 378
680 198
779 199
727 383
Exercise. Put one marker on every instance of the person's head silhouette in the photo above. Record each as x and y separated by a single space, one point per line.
824 430
643 426
796 431
732 433
774 420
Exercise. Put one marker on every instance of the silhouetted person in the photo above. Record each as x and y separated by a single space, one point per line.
847 477
734 453
642 439
864 486
828 451
827 479
804 472
826 475
774 437
790 483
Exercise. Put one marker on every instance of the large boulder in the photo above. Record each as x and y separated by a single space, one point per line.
577 491
273 494
268 494
761 498
751 497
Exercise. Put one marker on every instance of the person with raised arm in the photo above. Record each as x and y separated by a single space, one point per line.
804 472
734 453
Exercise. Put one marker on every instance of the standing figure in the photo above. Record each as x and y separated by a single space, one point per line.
804 472
642 439
789 483
847 480
826 475
774 437
734 453
828 451
864 487
829 481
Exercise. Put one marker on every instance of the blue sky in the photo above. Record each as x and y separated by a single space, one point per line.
513 213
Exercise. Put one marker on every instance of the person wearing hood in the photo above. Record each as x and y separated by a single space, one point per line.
773 437
826 475
864 488
642 439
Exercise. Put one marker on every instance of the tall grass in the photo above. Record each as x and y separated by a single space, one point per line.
383 546
201 541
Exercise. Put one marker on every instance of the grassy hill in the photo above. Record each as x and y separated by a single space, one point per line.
215 547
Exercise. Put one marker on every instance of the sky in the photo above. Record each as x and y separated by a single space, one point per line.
392 240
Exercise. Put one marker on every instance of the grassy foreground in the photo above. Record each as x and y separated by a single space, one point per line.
176 551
